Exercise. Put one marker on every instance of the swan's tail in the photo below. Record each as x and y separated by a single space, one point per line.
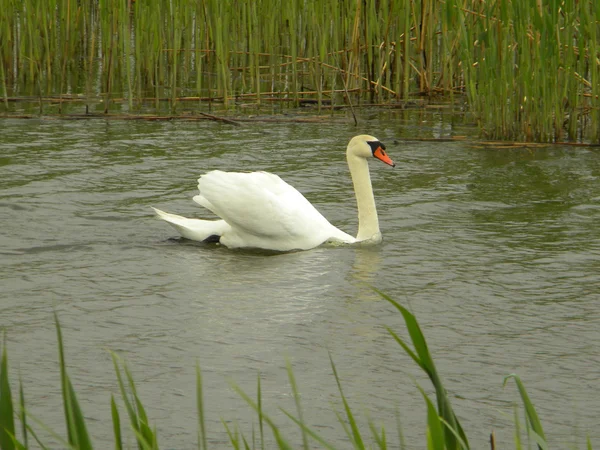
195 229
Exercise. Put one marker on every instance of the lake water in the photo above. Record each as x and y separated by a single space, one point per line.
496 251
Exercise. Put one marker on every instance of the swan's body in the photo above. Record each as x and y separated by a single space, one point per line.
260 210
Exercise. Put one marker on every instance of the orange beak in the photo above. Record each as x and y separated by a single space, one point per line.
381 155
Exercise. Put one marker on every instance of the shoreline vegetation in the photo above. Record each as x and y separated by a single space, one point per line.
521 70
443 427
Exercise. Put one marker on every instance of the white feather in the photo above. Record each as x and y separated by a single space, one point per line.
260 210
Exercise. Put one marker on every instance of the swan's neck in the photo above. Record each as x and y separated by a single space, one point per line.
368 223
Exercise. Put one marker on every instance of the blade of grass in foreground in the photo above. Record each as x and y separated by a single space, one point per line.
7 419
259 411
423 358
400 433
233 436
200 404
116 423
145 436
60 439
530 413
297 401
308 431
355 436
281 443
518 445
22 414
379 439
435 430
76 429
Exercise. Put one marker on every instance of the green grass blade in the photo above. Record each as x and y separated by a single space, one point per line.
416 336
430 445
116 424
76 428
456 434
540 441
16 443
36 439
308 431
406 348
424 359
297 401
400 433
233 437
530 412
246 446
380 440
281 442
146 437
259 411
144 425
518 445
63 442
143 443
356 437
22 414
341 420
78 425
435 430
200 405
133 417
7 418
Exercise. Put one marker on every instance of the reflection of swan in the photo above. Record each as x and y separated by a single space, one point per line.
365 267
260 210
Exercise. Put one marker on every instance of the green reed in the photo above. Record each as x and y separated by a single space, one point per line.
535 70
443 428
530 70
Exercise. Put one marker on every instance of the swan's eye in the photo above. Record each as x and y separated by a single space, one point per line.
375 145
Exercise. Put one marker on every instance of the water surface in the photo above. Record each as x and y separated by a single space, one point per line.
496 251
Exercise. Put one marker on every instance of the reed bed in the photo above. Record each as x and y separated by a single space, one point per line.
528 70
443 430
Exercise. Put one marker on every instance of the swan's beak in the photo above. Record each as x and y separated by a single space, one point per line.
381 155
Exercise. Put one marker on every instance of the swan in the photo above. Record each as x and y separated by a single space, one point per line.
260 210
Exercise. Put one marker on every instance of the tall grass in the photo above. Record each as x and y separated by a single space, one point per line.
443 428
533 71
529 69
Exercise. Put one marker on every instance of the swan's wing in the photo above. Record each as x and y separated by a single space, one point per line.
194 229
262 204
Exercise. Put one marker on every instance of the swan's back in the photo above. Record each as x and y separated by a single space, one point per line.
261 210
261 207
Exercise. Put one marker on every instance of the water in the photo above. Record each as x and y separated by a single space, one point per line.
497 252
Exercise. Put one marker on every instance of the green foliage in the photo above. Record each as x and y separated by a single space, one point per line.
298 406
424 360
145 436
200 405
443 432
7 422
281 442
355 436
529 69
529 74
75 422
116 419
534 426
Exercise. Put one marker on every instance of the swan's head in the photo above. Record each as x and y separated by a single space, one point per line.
366 146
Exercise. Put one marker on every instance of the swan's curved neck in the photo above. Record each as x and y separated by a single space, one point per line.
368 223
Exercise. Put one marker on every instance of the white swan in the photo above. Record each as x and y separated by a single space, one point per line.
260 210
